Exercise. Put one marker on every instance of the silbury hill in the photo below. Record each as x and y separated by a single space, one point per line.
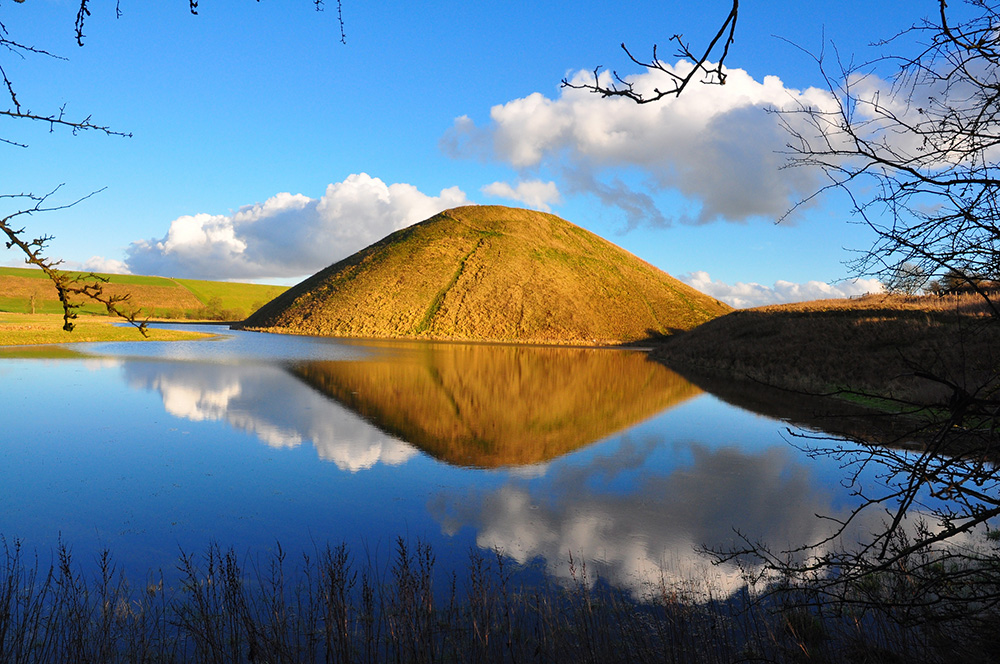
490 273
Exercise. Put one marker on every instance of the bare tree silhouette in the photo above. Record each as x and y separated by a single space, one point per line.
713 73
917 154
72 289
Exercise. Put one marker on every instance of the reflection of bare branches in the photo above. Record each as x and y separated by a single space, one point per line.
935 486
621 87
68 286
935 549
929 455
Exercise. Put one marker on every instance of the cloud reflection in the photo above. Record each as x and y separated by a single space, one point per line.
652 528
267 402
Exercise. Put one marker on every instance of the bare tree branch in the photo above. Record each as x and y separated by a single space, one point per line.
917 158
917 155
71 289
68 287
713 73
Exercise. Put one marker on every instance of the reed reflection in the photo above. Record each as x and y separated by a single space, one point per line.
264 400
493 406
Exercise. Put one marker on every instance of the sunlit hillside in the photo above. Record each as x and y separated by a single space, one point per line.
490 273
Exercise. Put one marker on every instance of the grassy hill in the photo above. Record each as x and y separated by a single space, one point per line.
24 290
489 405
490 273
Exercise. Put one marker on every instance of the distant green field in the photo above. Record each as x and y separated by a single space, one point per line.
25 330
24 290
30 273
242 296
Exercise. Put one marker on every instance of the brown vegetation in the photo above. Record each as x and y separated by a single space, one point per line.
329 606
895 346
490 273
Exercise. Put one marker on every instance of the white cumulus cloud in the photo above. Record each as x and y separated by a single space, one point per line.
288 235
534 193
716 146
104 265
742 295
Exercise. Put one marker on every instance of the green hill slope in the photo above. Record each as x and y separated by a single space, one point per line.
24 290
490 273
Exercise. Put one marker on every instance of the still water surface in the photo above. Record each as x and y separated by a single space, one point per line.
248 440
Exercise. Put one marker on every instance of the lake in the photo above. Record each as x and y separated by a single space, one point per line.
251 440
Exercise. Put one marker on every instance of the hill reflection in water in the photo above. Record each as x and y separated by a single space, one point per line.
153 450
490 406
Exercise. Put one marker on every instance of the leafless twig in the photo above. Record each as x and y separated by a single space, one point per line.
712 73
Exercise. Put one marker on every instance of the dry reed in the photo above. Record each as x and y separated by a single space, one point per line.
228 608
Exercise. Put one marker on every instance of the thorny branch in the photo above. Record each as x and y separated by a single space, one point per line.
69 288
712 73
89 286
84 12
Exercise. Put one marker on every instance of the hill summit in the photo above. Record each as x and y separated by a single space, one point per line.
490 273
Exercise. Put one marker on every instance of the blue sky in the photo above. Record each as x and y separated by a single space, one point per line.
264 149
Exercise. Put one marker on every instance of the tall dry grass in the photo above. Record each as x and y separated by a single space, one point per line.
326 607
965 304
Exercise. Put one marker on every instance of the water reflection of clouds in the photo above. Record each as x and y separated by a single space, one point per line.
101 363
264 400
633 536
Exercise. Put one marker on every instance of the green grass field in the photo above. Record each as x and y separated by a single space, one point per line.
244 297
35 329
24 290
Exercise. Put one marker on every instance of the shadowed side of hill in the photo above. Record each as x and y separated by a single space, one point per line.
488 406
490 273
913 349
